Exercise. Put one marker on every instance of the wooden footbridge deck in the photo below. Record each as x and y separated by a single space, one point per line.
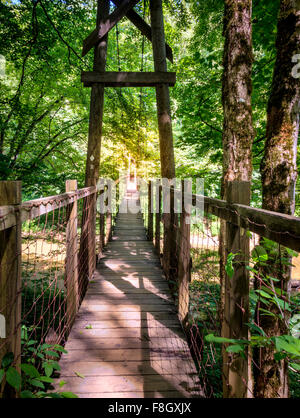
127 341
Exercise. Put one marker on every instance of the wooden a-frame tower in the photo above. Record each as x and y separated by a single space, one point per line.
161 79
98 79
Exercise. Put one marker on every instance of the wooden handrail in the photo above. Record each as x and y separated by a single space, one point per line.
37 207
281 228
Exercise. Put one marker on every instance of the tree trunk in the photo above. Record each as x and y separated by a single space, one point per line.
279 174
237 162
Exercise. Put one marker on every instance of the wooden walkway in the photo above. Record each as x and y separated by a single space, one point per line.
126 341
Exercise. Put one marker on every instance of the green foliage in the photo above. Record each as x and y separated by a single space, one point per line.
37 368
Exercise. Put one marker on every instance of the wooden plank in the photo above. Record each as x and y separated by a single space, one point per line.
144 28
130 333
132 368
130 395
111 384
106 25
114 298
86 313
108 307
95 323
128 79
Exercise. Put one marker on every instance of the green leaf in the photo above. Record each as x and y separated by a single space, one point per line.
295 366
46 379
229 265
213 339
263 293
48 367
68 395
235 348
54 395
60 348
259 253
13 378
288 343
30 370
7 360
51 354
27 394
37 383
62 383
257 328
79 375
55 365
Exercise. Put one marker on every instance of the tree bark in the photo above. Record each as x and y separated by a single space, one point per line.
238 136
279 174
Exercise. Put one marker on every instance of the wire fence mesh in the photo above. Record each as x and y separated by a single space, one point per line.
202 300
45 271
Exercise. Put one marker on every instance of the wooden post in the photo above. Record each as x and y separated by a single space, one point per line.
108 221
165 129
150 212
236 315
88 243
71 275
158 217
10 280
184 249
101 227
96 103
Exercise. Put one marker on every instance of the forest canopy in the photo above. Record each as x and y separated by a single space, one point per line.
45 108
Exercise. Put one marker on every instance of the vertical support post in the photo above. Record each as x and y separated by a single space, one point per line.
101 227
165 130
236 315
150 212
88 243
184 273
71 274
158 217
10 280
96 103
108 222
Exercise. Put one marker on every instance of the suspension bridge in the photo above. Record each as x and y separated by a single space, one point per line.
127 340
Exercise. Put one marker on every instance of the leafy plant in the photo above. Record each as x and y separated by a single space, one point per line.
34 377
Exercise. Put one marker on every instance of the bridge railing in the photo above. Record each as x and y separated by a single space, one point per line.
48 253
258 248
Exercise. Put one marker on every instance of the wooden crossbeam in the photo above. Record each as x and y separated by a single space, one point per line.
128 79
134 17
144 28
106 26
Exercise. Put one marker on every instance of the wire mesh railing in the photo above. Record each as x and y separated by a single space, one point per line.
49 250
235 279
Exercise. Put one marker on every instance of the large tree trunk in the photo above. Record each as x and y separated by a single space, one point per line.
279 174
237 167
